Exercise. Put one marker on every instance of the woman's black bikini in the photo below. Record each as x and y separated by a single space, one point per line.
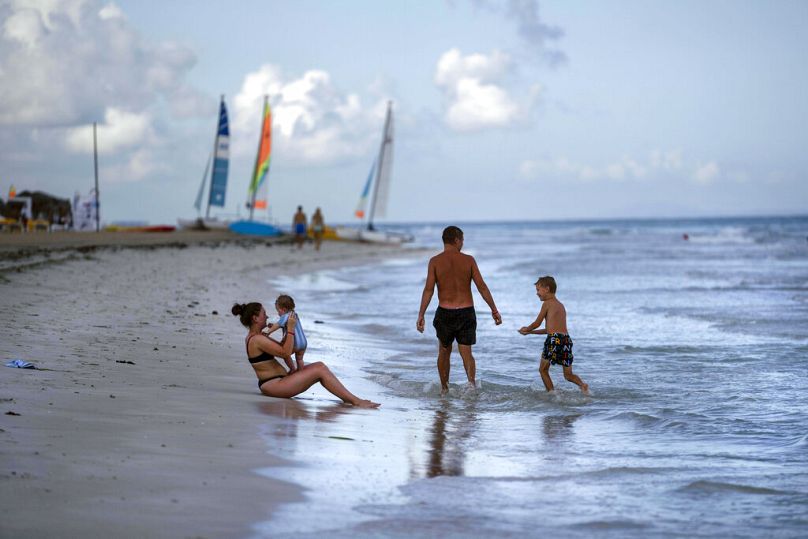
265 356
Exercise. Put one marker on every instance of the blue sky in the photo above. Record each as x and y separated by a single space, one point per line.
503 110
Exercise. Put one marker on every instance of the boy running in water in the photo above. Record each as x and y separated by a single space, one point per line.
558 344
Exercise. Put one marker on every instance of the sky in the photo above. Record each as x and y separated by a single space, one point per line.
503 110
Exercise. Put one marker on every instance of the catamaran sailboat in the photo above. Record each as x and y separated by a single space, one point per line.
376 192
220 157
257 191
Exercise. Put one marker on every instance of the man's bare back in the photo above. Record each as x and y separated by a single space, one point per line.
453 272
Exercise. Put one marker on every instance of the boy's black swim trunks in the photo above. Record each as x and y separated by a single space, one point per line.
456 324
558 349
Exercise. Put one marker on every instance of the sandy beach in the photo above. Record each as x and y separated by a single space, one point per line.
144 419
140 419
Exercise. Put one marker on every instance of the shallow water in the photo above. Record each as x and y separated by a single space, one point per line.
696 352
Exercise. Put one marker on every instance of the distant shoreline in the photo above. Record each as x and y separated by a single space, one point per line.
588 220
72 240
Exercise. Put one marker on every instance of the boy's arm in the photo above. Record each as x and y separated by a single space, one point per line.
536 323
482 288
272 328
426 295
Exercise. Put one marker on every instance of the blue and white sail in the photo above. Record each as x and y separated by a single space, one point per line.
221 160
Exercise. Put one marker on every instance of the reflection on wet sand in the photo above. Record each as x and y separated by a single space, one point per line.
451 427
559 427
293 411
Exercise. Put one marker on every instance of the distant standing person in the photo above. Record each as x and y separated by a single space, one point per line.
317 228
455 318
558 344
299 227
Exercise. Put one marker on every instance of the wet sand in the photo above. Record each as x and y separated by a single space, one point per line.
141 419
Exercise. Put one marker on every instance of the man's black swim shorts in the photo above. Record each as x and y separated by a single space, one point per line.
456 324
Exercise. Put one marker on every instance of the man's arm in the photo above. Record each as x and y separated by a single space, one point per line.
482 288
426 296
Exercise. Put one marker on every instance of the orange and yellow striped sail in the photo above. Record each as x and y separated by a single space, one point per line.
258 186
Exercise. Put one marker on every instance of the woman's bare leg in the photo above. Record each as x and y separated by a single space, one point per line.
306 377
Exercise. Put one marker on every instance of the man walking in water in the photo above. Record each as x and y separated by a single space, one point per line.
455 318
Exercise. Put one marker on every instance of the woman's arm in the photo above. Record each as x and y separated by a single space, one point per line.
270 346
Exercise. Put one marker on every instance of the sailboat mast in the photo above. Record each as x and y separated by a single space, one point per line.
380 163
201 193
97 194
215 146
254 188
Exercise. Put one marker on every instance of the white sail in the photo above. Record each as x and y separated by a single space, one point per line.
377 205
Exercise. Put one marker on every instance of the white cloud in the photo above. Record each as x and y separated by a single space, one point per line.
706 173
313 121
474 91
622 169
478 105
24 26
453 67
658 165
111 11
119 130
65 62
529 169
137 166
667 160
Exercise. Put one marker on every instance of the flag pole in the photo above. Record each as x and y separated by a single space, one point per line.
97 194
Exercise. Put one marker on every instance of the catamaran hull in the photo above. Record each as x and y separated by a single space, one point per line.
254 228
371 236
379 236
347 233
203 224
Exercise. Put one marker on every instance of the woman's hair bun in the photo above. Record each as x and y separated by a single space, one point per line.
237 309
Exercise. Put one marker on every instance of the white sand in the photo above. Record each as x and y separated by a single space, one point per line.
164 447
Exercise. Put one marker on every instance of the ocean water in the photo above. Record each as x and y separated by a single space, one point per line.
696 352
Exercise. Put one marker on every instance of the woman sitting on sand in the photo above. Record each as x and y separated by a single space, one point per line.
273 381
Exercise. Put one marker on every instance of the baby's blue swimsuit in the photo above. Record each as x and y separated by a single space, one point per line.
300 337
